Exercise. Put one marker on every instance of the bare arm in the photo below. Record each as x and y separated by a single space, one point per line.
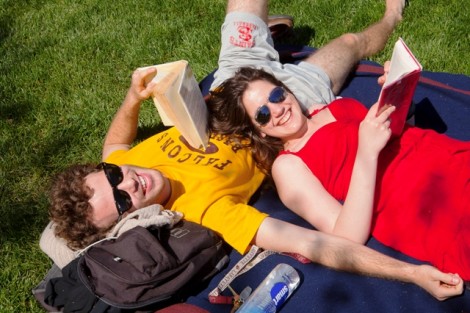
301 191
355 219
304 194
344 255
123 128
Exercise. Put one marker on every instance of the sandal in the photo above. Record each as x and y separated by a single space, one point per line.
280 25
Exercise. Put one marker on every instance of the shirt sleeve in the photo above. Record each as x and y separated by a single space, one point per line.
236 223
115 157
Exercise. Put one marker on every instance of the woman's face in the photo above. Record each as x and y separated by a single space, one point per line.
145 187
274 110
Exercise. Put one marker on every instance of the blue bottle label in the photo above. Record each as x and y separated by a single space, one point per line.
279 294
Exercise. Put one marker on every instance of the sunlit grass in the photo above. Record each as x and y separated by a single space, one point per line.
65 67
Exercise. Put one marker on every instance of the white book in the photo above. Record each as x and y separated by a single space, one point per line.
180 103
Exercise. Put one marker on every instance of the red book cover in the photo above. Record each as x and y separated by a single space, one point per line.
400 85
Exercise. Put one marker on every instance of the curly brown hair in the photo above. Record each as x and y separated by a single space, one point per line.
229 117
70 209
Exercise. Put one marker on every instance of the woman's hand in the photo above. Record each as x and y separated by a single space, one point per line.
374 131
381 79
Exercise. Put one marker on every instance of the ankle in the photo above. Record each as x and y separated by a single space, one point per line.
394 10
392 19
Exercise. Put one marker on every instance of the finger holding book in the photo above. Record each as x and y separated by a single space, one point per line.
142 84
374 130
381 80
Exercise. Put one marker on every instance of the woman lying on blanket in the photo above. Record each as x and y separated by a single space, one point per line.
340 170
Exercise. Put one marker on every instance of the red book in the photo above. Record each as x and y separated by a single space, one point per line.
400 85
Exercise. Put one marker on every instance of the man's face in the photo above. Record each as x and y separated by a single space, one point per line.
145 187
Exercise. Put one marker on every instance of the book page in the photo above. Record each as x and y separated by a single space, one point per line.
164 79
195 107
402 62
166 76
179 100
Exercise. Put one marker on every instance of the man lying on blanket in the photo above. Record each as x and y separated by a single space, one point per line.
213 187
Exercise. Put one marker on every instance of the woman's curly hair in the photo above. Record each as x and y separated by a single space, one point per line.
70 209
227 116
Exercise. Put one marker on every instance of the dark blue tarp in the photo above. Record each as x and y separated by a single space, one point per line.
442 102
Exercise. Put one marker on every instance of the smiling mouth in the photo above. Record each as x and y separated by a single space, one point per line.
143 183
285 118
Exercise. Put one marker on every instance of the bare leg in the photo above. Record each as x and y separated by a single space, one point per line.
338 57
256 7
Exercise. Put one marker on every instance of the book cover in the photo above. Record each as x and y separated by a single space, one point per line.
180 103
400 85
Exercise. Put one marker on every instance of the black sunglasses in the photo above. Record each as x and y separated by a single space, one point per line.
114 175
263 114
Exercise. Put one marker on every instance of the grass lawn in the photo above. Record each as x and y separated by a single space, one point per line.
65 67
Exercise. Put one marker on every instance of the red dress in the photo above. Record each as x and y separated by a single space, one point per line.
422 194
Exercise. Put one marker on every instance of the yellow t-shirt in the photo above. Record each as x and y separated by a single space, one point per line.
210 187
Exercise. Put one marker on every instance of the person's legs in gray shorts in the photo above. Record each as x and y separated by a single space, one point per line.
246 41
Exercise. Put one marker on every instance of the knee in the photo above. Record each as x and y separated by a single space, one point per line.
256 7
351 40
355 44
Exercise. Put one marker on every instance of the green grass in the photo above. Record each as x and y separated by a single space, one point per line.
65 67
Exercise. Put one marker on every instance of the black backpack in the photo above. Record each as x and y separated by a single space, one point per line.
142 270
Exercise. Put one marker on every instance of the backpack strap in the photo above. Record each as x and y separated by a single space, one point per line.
82 251
253 257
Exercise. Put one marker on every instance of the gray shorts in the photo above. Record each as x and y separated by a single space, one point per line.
246 41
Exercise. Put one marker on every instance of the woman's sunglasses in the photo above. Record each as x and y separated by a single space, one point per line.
263 114
114 175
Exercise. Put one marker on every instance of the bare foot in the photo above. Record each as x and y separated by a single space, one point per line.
394 9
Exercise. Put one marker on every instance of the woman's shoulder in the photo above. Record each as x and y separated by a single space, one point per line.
285 161
346 108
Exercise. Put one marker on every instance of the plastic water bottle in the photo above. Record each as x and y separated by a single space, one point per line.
275 289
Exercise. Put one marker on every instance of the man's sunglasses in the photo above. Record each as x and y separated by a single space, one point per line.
263 114
114 175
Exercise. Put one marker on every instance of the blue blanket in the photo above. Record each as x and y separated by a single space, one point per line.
442 102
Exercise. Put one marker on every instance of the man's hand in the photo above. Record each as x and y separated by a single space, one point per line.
123 128
440 285
141 84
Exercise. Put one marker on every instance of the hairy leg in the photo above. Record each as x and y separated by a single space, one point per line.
338 57
256 7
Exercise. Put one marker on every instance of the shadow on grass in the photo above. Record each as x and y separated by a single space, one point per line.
5 28
13 111
24 223
300 36
14 9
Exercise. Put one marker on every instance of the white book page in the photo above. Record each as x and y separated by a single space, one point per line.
196 109
402 63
